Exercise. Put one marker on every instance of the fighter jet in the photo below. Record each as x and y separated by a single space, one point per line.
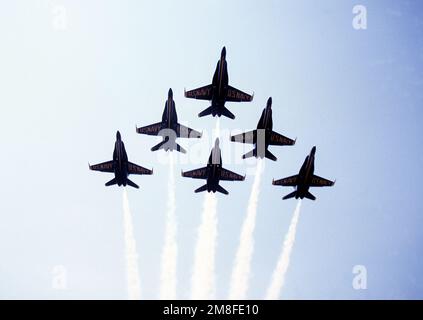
219 92
213 173
304 180
263 136
169 128
120 166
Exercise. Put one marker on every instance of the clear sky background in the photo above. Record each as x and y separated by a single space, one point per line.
67 86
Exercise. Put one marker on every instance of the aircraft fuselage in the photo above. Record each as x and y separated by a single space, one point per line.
220 84
306 174
214 166
120 160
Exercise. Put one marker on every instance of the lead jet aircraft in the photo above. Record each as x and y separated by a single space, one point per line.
304 180
169 128
213 173
263 136
219 92
120 166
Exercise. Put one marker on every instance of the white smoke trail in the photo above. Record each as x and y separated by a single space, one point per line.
132 273
278 278
242 266
170 248
203 276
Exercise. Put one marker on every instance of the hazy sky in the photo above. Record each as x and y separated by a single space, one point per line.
74 72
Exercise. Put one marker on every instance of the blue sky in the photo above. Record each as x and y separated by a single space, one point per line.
356 95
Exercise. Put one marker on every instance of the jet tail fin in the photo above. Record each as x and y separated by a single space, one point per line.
221 189
201 189
308 195
291 195
270 156
111 182
132 184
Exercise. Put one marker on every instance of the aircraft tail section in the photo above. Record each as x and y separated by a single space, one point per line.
221 189
291 195
206 112
201 189
111 182
180 149
132 184
308 195
170 146
227 113
158 146
270 155
250 154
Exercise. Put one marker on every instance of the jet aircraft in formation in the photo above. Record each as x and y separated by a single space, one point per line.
213 173
169 128
304 180
120 166
219 92
263 136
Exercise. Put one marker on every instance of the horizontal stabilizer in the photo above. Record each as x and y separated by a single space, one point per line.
206 112
221 189
132 184
111 182
201 189
308 195
291 195
158 146
227 113
250 154
270 156
180 149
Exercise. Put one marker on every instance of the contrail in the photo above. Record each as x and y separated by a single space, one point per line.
242 266
278 278
132 273
170 248
203 276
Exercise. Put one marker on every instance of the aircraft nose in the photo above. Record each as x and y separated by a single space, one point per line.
269 102
313 151
170 94
223 52
216 142
118 135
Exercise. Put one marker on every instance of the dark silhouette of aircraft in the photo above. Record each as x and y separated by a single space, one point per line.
304 180
169 128
219 92
263 136
120 166
213 173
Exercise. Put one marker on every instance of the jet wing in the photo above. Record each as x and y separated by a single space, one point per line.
235 95
277 139
230 176
152 129
286 182
107 166
196 174
246 137
203 93
136 169
317 181
185 132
